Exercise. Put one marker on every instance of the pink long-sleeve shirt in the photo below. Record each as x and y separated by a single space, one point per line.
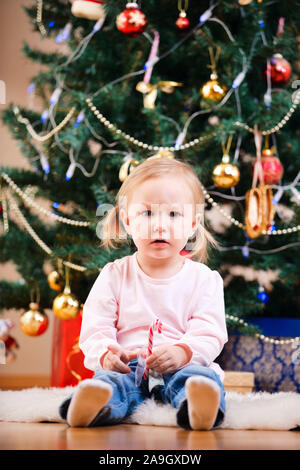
124 301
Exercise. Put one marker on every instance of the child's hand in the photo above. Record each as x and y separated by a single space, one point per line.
116 359
167 358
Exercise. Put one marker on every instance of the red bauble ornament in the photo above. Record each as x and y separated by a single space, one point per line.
271 166
279 70
182 21
131 21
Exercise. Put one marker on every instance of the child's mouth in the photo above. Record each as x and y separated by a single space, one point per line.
160 242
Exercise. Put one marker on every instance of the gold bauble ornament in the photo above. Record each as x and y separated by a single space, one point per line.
212 90
66 305
226 174
55 281
33 322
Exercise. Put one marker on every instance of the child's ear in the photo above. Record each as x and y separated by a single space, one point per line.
125 220
196 223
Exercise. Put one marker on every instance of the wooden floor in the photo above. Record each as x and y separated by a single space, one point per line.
57 436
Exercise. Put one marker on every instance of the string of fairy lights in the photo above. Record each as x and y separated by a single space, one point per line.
119 133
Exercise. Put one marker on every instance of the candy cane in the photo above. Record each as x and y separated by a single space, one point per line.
155 325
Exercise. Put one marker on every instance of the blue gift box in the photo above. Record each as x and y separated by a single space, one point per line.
276 366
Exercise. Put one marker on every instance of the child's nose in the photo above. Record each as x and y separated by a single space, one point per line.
160 224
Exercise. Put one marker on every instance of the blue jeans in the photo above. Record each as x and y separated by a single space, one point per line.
127 396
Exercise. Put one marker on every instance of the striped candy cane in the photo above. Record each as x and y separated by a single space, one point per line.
155 325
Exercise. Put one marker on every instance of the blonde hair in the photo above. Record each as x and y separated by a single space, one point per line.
155 167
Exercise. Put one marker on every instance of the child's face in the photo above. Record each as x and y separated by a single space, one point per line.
161 208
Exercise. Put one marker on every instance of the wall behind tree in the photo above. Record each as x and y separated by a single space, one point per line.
16 71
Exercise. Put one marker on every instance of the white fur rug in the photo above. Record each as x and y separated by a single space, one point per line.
262 410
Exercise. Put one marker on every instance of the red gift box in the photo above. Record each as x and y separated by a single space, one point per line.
67 359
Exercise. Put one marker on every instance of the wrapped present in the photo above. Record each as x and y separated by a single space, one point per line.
67 366
276 367
240 382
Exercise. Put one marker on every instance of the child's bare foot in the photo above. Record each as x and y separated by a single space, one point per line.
90 397
203 400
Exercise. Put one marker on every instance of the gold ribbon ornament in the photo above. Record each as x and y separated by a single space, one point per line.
150 91
127 167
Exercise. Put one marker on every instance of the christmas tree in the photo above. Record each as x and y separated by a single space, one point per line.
211 83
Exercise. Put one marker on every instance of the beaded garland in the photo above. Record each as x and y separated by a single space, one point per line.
137 142
50 134
32 203
194 142
283 231
278 126
39 17
37 239
264 338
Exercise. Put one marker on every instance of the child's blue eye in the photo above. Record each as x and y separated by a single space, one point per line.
173 214
146 211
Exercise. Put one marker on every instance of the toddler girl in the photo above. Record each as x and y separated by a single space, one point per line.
160 206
